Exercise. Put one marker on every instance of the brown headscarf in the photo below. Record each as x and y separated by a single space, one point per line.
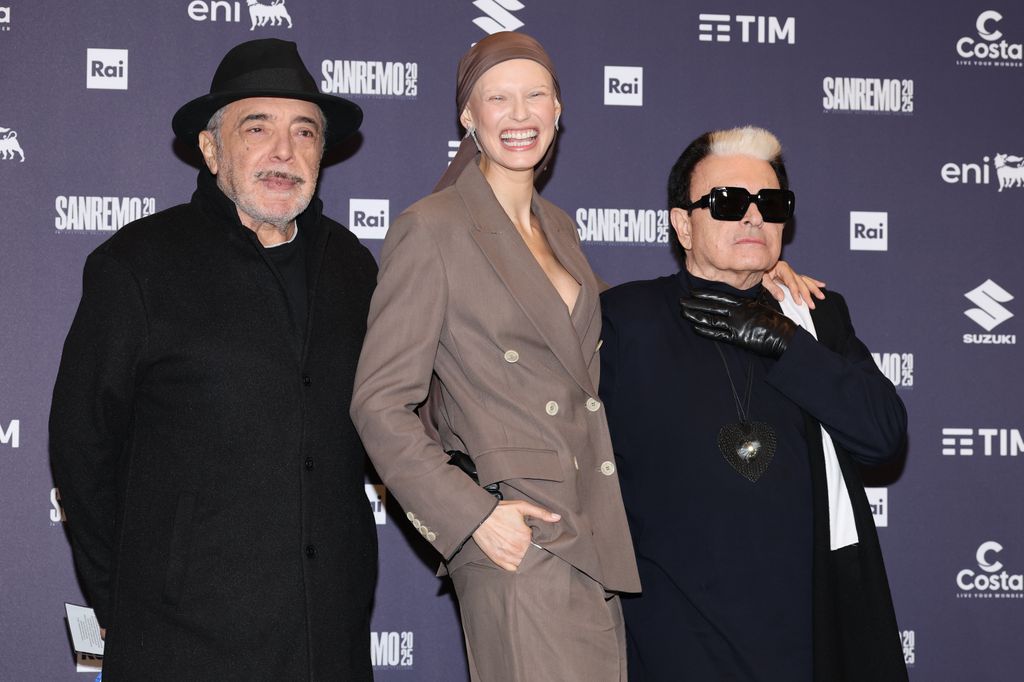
490 51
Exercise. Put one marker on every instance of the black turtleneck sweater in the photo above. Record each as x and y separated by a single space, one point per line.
290 261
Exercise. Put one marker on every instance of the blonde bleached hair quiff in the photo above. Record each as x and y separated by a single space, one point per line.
746 140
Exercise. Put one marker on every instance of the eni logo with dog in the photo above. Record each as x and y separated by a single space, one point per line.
9 147
1008 170
259 14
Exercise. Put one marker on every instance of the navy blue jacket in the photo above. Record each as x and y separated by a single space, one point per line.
834 382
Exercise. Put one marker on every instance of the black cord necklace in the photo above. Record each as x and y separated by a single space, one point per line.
747 446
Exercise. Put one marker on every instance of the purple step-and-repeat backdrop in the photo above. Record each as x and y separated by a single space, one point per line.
902 124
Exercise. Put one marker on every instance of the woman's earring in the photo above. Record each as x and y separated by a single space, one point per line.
556 122
472 133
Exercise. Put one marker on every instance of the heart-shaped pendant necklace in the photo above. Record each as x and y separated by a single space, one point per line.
748 446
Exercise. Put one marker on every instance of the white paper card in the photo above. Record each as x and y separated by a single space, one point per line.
85 630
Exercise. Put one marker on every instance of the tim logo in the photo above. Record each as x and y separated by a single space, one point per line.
753 29
624 86
9 147
56 508
106 69
959 442
991 582
869 231
897 368
498 15
990 50
368 218
391 649
12 434
990 313
908 641
5 18
272 13
377 496
878 499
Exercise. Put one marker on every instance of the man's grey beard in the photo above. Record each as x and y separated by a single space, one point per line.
280 223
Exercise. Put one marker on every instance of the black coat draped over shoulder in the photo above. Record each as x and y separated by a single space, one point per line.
211 475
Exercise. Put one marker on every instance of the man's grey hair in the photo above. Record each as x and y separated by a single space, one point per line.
213 126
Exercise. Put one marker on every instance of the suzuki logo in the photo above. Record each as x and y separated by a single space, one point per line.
989 314
499 15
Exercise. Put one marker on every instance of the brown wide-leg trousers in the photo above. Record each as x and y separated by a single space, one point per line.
545 622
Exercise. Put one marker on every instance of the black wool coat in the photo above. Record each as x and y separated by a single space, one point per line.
211 475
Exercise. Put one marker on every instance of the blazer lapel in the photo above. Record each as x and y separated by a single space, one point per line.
526 281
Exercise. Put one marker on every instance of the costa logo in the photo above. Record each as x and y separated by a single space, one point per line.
990 581
990 49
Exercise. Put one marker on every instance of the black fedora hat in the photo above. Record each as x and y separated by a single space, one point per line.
265 68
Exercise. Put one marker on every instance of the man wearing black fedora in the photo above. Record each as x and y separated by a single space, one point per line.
199 430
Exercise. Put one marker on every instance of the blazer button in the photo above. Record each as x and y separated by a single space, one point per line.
431 536
410 516
511 356
309 464
607 468
551 408
424 530
311 551
417 524
593 405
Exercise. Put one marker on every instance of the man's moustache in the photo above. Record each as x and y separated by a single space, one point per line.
260 175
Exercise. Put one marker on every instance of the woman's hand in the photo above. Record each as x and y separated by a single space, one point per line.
504 536
802 287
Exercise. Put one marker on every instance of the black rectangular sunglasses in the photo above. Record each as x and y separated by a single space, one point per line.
731 203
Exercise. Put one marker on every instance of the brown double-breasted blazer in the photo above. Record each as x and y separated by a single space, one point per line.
461 298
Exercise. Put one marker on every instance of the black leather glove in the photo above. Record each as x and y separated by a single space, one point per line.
460 459
743 322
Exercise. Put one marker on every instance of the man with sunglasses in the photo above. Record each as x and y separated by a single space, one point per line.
737 424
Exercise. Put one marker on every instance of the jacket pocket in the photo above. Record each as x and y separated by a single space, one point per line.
181 542
502 464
